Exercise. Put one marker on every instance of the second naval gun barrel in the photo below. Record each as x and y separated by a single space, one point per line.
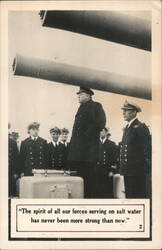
81 76
114 26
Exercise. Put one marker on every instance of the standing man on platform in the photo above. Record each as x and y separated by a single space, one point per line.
106 165
84 145
135 152
33 151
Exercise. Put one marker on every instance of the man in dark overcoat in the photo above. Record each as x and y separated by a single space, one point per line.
84 144
33 151
135 152
106 165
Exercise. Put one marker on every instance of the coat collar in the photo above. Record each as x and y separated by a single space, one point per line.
31 138
103 141
55 144
134 124
130 122
89 101
64 143
34 138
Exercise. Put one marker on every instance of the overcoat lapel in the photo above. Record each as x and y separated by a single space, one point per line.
129 129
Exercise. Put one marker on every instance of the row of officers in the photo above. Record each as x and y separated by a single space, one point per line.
90 152
36 153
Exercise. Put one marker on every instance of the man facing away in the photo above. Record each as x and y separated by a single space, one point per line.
84 144
33 151
106 165
135 152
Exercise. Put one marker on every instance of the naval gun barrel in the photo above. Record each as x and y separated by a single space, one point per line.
81 76
114 26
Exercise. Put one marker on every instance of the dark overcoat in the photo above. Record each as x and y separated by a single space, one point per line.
89 121
12 156
33 155
13 165
135 150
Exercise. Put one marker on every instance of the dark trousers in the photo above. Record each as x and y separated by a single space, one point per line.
104 183
135 186
86 170
12 185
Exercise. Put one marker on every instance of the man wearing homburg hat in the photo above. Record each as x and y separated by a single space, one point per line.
135 152
33 151
84 145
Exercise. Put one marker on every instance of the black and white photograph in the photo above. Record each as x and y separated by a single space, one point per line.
83 103
80 104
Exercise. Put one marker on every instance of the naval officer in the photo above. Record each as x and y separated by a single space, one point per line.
65 146
64 136
84 144
33 151
106 165
135 152
55 150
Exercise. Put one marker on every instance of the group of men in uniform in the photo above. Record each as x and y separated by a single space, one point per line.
90 152
36 153
57 152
